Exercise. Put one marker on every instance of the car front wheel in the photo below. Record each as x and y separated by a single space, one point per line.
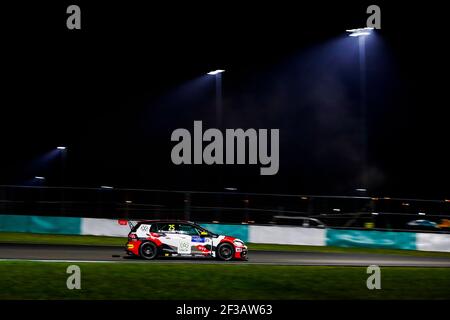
225 251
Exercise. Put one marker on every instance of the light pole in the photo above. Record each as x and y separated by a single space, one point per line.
40 180
105 198
63 152
218 76
361 34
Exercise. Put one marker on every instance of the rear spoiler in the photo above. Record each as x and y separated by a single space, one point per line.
124 222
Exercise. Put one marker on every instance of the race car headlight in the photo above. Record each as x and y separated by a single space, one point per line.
238 242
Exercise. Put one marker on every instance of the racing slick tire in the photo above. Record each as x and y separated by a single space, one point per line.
148 250
225 251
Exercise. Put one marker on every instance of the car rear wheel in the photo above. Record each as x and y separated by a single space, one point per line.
225 251
148 250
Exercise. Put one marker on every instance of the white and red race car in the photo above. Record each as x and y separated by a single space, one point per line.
156 238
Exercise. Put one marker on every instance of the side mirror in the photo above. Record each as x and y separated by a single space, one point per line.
204 234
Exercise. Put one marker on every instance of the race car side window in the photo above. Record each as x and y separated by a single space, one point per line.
168 227
154 228
189 230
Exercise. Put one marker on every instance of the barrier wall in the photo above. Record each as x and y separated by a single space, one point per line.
248 233
287 235
103 227
371 239
40 224
433 242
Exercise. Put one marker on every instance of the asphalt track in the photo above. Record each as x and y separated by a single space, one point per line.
80 253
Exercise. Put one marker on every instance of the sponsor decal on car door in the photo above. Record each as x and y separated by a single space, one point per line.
199 244
170 237
176 238
184 244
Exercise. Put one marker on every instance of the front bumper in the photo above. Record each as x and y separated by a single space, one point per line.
241 253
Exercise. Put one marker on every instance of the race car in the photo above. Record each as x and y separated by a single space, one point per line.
159 238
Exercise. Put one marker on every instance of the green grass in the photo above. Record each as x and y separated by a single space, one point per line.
7 237
40 280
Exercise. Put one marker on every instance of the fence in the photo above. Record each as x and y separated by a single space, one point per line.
355 212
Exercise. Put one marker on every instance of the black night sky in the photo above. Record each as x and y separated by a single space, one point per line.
114 91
